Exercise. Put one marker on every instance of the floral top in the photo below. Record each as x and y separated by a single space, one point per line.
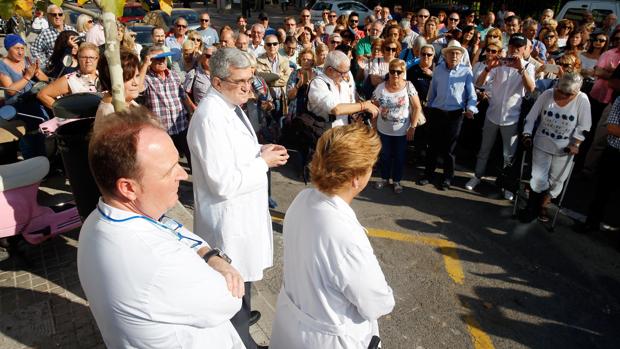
394 109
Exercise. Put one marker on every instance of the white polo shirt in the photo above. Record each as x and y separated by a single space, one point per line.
148 289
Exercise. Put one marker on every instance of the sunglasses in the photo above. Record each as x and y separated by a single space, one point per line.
426 54
336 42
423 16
493 36
353 20
181 26
454 19
395 72
272 43
549 37
492 51
390 49
196 39
333 16
599 40
56 14
204 20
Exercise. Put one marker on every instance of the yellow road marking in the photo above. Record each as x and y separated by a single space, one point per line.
447 248
453 267
480 339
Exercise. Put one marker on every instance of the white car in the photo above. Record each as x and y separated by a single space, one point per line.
341 7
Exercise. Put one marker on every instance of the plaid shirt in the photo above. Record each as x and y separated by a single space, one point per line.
614 119
44 44
164 98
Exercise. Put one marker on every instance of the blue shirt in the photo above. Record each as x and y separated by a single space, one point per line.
209 36
452 89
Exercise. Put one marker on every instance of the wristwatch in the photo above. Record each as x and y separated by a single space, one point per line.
216 252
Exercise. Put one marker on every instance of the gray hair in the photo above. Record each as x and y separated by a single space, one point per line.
428 46
335 59
156 48
405 23
420 41
226 58
52 7
81 22
258 26
570 83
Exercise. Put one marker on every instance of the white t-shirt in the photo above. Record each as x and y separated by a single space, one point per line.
587 63
394 109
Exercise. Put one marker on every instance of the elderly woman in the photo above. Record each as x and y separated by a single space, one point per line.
188 56
83 24
333 288
18 75
132 85
86 79
399 112
378 67
196 38
297 85
306 38
321 51
562 115
198 80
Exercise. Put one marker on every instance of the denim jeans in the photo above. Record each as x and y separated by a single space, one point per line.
392 157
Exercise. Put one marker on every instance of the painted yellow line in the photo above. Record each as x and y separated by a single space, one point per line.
479 338
447 248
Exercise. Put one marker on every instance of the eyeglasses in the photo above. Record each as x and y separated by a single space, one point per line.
426 54
454 19
204 20
333 16
423 16
196 39
56 14
599 40
492 51
354 20
336 42
272 43
88 58
240 82
181 26
395 72
390 49
342 73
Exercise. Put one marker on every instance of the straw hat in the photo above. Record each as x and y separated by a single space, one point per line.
453 45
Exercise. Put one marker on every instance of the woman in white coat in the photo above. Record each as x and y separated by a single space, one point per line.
334 290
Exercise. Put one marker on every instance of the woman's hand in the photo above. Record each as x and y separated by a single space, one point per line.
572 149
73 42
31 70
410 133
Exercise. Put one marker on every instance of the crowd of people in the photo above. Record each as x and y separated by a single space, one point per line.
343 94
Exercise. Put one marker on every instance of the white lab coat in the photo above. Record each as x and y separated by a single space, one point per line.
230 186
148 289
334 290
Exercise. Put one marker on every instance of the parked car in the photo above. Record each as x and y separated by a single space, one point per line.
341 7
133 12
574 10
143 34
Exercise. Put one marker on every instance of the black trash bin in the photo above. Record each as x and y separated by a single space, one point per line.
73 147
72 139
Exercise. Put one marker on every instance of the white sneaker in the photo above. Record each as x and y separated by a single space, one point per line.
508 195
472 183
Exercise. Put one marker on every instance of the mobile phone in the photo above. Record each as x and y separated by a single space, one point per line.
551 68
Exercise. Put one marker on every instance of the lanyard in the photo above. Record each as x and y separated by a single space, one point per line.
162 225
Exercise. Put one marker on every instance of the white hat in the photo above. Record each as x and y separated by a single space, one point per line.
453 45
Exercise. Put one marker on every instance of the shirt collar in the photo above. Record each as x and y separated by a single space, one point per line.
340 204
113 212
219 94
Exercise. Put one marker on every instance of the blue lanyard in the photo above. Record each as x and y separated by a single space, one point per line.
174 230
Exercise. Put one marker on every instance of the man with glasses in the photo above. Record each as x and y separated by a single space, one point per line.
331 97
209 35
256 46
165 97
453 22
150 282
230 176
451 97
354 21
43 46
273 62
507 83
304 21
178 37
364 45
421 18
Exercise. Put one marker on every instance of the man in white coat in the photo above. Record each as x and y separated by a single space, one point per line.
230 176
145 275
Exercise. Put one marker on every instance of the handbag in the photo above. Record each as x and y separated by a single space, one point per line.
422 118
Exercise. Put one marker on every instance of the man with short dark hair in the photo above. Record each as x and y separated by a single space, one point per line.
354 22
453 22
150 282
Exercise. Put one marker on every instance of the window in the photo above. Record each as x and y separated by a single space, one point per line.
320 6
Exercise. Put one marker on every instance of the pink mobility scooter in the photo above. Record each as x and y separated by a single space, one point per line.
20 213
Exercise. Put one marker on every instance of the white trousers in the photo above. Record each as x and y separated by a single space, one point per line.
489 134
549 172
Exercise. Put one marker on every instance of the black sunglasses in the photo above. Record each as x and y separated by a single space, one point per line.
272 43
181 26
395 72
426 54
454 19
56 14
204 20
390 49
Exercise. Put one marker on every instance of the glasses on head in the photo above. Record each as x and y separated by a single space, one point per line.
181 26
390 49
57 14
454 19
204 20
240 82
271 44
426 54
395 72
